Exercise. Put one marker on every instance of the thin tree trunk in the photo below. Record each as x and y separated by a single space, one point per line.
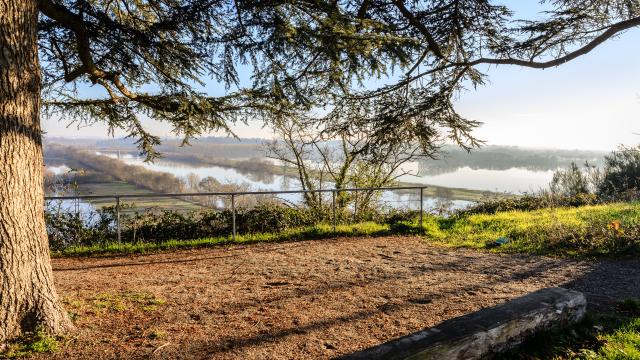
27 295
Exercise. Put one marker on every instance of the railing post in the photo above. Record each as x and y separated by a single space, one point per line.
77 205
233 216
118 218
421 205
355 206
333 208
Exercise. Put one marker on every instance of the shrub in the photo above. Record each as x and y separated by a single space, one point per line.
621 180
154 225
66 228
529 203
574 181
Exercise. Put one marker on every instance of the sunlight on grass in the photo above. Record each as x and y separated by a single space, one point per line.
314 232
610 335
582 231
30 344
624 343
561 231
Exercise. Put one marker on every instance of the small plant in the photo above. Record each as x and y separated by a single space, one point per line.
156 334
37 342
127 300
106 301
148 302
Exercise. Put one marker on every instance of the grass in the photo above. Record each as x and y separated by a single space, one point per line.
314 232
110 302
611 336
31 343
601 230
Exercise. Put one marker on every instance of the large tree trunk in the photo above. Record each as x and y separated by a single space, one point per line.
27 296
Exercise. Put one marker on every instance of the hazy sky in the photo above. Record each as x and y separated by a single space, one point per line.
592 102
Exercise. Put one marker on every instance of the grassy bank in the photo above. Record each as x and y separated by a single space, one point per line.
308 233
601 230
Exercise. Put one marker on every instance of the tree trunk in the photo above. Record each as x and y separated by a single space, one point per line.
27 295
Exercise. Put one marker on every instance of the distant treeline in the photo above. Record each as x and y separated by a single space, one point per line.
213 147
134 174
219 150
251 165
507 157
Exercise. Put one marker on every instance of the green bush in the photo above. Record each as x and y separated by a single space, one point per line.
621 180
156 226
67 229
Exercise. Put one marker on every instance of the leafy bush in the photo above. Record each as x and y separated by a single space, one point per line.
574 181
621 180
67 229
575 186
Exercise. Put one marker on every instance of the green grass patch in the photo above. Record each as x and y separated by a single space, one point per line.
117 302
29 344
309 233
602 230
611 336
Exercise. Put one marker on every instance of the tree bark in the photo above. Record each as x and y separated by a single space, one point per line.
28 298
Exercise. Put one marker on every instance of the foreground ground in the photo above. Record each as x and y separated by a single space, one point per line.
313 299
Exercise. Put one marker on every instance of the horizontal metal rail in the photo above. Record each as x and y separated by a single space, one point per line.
269 192
233 196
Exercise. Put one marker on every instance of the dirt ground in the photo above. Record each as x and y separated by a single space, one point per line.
303 300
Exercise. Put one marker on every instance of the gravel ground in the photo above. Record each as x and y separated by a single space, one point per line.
302 300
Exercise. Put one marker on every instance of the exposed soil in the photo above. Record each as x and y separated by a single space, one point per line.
312 299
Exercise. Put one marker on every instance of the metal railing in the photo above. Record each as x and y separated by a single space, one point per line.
234 195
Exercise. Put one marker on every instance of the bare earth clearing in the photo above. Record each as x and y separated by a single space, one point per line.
313 299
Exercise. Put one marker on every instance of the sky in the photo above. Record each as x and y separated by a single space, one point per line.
592 102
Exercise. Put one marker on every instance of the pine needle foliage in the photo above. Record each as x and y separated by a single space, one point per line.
152 59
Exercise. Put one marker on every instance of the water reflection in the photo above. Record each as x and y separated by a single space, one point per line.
259 181
513 180
262 181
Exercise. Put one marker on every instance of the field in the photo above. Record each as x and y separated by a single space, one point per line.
310 299
121 187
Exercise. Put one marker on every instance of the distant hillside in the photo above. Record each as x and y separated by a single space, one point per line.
451 157
506 157
214 147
